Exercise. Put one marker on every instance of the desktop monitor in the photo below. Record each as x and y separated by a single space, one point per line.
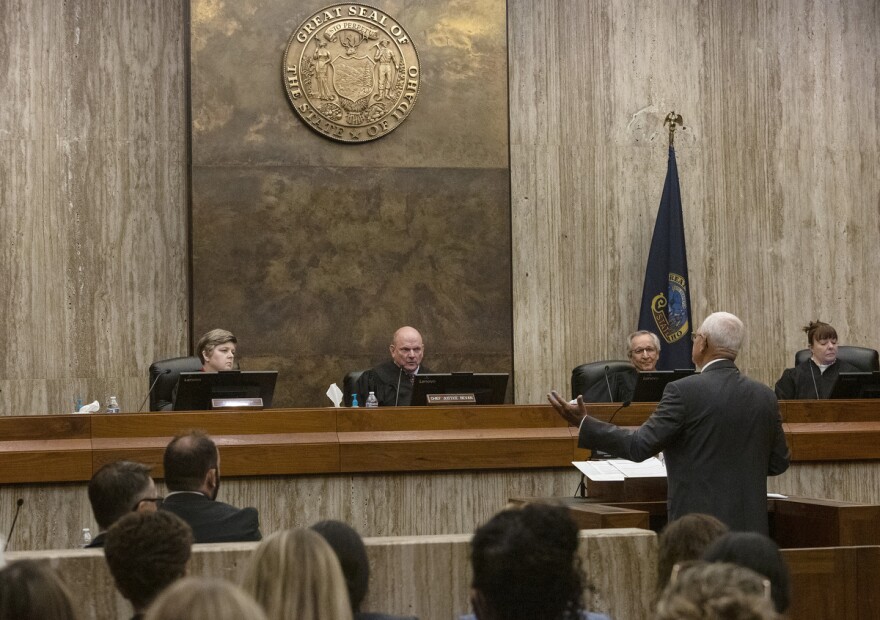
488 388
195 390
650 385
856 385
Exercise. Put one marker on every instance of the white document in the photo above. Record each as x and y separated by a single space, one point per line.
621 469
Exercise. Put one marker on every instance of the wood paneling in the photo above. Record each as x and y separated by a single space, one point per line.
779 169
93 223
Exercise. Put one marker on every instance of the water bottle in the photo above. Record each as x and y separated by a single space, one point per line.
354 400
372 401
113 405
86 537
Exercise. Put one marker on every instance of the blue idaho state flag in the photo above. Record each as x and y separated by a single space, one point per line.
666 298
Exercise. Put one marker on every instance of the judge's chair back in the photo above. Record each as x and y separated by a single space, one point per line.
583 377
863 358
160 397
349 383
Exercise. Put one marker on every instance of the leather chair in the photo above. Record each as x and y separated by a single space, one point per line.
170 369
584 376
348 385
863 358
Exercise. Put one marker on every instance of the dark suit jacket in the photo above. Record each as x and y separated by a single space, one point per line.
721 435
213 521
383 381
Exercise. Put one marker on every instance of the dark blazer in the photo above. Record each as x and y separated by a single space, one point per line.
721 435
213 521
383 381
806 381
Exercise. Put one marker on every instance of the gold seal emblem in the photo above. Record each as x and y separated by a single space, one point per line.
351 72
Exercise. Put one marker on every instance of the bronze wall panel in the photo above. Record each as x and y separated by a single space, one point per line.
313 252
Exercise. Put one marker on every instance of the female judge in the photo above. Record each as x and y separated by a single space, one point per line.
217 350
814 378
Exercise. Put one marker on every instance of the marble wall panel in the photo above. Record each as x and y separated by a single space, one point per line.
93 190
778 168
314 252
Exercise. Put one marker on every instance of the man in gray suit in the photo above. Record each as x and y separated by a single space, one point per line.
720 432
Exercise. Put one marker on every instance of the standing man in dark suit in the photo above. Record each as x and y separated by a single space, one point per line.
720 432
392 381
192 476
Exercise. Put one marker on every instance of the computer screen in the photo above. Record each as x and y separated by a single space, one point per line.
650 385
196 389
856 385
487 388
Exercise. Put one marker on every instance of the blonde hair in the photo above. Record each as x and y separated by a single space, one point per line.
211 341
198 598
295 574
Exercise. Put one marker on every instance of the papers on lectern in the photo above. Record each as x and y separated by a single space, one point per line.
620 469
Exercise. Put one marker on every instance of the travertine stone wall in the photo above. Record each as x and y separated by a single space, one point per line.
93 219
779 169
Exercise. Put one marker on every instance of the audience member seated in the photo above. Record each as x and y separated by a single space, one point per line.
192 477
29 591
392 381
196 598
703 591
525 566
295 574
814 378
683 540
760 554
146 552
352 556
643 351
117 489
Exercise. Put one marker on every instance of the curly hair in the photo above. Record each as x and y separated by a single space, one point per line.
526 565
717 591
146 552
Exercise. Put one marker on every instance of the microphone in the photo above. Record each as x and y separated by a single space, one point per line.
18 505
608 384
626 403
150 391
397 391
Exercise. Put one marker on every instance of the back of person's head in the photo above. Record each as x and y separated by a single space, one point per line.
115 489
188 459
725 331
212 340
703 591
295 574
197 598
684 539
146 552
525 565
819 330
759 553
352 555
29 591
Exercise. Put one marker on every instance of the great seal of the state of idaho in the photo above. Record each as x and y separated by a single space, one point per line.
351 72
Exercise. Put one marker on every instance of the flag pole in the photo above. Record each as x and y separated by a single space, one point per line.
673 119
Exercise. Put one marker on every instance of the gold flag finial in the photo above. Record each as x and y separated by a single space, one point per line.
673 120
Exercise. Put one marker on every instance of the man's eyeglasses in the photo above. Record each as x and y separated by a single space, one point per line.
156 500
648 350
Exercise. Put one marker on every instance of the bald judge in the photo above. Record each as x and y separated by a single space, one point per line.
392 381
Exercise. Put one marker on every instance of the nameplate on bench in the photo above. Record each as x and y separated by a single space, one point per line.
237 404
451 399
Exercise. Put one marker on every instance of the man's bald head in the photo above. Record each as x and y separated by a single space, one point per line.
407 348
